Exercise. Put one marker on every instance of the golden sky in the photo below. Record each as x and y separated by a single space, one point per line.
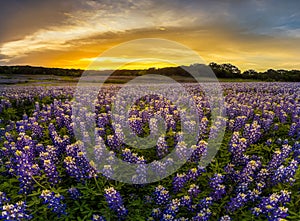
71 34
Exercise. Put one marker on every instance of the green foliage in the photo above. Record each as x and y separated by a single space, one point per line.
92 200
222 71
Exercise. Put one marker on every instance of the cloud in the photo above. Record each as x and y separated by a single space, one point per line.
60 33
3 59
94 19
21 18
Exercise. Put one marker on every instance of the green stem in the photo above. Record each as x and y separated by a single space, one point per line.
38 183
97 184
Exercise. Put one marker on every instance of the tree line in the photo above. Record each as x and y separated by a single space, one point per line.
227 70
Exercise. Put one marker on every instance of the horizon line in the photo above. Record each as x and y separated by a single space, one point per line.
139 69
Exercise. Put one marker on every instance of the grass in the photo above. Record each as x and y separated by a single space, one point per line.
59 80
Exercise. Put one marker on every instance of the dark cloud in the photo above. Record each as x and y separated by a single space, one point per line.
2 57
56 27
19 18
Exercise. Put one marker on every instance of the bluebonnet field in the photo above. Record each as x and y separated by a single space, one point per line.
44 174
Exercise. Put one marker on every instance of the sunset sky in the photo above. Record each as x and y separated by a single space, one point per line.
251 34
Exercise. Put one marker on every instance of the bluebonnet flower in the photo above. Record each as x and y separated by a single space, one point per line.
205 203
293 129
161 195
167 217
179 181
25 169
74 193
23 141
237 202
102 120
71 167
173 207
231 173
260 186
37 130
203 215
57 141
156 213
219 192
216 180
3 198
77 164
282 116
225 218
194 190
97 217
51 171
111 157
179 137
39 148
20 128
290 172
239 122
256 211
194 173
279 141
273 206
141 171
203 127
107 171
181 150
254 194
186 201
8 137
296 149
51 153
279 213
263 174
99 150
284 197
115 202
100 131
54 202
249 170
113 142
231 124
135 124
252 132
237 147
242 187
217 186
269 142
128 156
199 150
276 127
153 125
162 147
284 174
279 156
171 123
285 142
15 212
189 125
159 167
234 139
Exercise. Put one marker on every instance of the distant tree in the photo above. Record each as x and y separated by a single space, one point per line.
221 71
225 70
249 74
